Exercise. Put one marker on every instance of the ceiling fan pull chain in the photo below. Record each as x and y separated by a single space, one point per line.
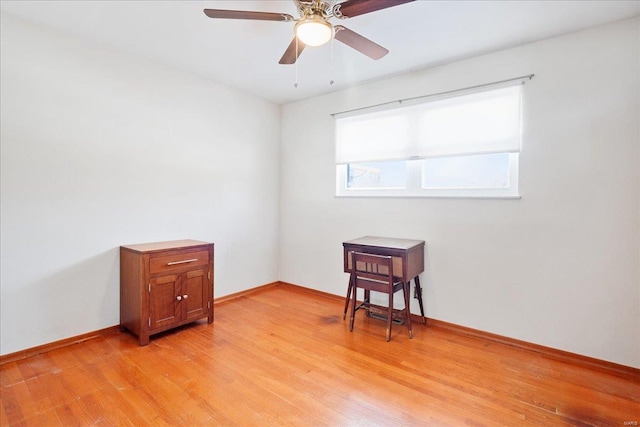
331 68
295 85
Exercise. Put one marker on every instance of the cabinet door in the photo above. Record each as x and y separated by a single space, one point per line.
195 294
164 306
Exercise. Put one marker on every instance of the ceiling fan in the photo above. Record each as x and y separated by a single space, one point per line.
313 27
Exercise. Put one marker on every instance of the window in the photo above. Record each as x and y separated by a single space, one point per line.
391 174
461 145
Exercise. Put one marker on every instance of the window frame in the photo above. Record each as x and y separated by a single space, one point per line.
414 163
414 185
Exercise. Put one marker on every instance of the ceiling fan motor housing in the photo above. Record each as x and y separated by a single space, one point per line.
323 8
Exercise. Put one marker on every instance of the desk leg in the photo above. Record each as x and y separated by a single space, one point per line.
418 295
348 298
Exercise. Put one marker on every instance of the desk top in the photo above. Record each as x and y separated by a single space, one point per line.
407 254
385 242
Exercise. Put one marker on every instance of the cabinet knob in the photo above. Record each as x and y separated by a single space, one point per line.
178 297
185 296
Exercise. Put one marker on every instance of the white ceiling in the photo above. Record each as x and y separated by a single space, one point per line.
245 54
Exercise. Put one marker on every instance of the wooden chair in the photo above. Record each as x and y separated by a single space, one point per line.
375 273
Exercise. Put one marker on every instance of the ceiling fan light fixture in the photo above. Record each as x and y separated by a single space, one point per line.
313 30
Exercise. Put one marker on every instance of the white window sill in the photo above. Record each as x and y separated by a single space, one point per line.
377 195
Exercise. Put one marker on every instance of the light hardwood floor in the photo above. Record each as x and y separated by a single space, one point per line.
285 357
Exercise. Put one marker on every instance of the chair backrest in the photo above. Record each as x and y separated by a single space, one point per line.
373 272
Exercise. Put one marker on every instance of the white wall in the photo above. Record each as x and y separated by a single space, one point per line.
100 149
559 267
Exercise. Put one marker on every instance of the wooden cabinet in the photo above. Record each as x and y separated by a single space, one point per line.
164 285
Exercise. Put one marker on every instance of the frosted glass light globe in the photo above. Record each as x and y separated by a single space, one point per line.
313 31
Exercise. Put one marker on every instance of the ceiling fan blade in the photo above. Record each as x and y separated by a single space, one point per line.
247 14
290 56
351 8
359 43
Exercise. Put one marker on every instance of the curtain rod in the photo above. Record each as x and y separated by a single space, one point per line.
400 101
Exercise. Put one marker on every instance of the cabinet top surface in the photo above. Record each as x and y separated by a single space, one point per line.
161 246
385 242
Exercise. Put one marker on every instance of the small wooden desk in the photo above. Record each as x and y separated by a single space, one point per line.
408 259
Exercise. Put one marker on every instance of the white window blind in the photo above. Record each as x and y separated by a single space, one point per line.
382 135
481 122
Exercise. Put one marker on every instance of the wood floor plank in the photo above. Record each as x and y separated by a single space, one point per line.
10 374
286 357
16 403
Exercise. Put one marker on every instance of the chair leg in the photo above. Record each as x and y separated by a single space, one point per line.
348 298
407 299
390 315
354 289
367 301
